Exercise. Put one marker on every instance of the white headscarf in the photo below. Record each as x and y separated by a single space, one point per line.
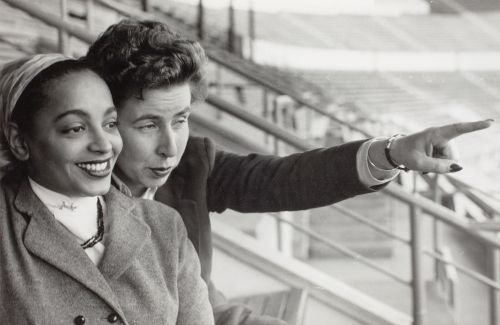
15 76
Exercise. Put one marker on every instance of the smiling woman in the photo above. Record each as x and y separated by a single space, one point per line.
73 250
71 142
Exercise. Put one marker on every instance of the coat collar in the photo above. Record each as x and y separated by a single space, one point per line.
125 236
50 241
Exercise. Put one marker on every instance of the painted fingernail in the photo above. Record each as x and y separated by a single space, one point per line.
455 168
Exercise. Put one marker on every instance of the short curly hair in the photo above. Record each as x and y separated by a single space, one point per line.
134 55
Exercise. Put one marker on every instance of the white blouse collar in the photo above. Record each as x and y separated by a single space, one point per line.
77 214
149 193
54 200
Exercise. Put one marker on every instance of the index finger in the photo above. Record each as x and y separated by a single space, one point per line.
450 131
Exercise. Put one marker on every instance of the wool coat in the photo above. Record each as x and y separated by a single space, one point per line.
210 180
149 273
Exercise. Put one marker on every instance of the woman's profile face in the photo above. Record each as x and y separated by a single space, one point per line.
75 142
155 132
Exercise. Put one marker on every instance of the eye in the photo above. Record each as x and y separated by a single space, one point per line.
181 120
74 130
148 126
111 125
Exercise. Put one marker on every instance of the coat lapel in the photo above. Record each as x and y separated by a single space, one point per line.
125 235
50 241
187 208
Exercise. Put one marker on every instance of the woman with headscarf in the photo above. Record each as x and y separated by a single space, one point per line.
72 251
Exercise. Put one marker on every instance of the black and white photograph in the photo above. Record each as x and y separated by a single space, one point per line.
250 162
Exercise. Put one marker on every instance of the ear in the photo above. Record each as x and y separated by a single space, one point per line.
17 143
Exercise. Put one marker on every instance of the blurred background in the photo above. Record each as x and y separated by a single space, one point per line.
288 76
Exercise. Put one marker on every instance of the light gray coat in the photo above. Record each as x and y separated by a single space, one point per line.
149 273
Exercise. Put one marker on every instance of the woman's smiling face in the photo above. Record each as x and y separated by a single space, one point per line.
75 142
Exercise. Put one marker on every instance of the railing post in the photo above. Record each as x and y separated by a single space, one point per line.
251 30
230 30
418 285
279 234
436 236
494 299
201 20
275 116
265 112
62 35
145 5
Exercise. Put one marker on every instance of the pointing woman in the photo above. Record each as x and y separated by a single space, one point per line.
156 74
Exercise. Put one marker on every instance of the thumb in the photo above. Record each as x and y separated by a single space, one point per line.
438 165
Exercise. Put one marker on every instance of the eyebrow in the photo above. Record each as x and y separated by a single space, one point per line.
187 109
81 113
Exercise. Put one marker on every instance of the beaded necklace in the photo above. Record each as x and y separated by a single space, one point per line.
100 229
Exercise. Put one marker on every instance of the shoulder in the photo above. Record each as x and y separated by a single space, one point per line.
161 218
201 145
158 216
200 148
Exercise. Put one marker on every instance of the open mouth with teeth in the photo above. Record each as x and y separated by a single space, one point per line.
96 168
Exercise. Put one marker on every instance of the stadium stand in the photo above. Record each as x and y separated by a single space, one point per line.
368 33
417 98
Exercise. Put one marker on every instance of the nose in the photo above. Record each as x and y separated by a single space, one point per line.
100 142
167 146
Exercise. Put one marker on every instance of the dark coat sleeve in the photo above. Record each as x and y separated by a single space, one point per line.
260 183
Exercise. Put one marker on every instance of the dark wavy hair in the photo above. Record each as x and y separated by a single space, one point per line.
134 55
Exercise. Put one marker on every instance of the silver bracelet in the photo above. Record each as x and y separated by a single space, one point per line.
372 164
387 152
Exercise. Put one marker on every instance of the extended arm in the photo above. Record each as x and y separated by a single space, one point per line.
257 183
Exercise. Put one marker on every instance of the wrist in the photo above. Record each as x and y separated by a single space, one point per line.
376 155
388 151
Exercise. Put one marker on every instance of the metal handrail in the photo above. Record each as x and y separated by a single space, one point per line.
344 250
472 274
363 220
52 20
235 137
260 123
441 213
